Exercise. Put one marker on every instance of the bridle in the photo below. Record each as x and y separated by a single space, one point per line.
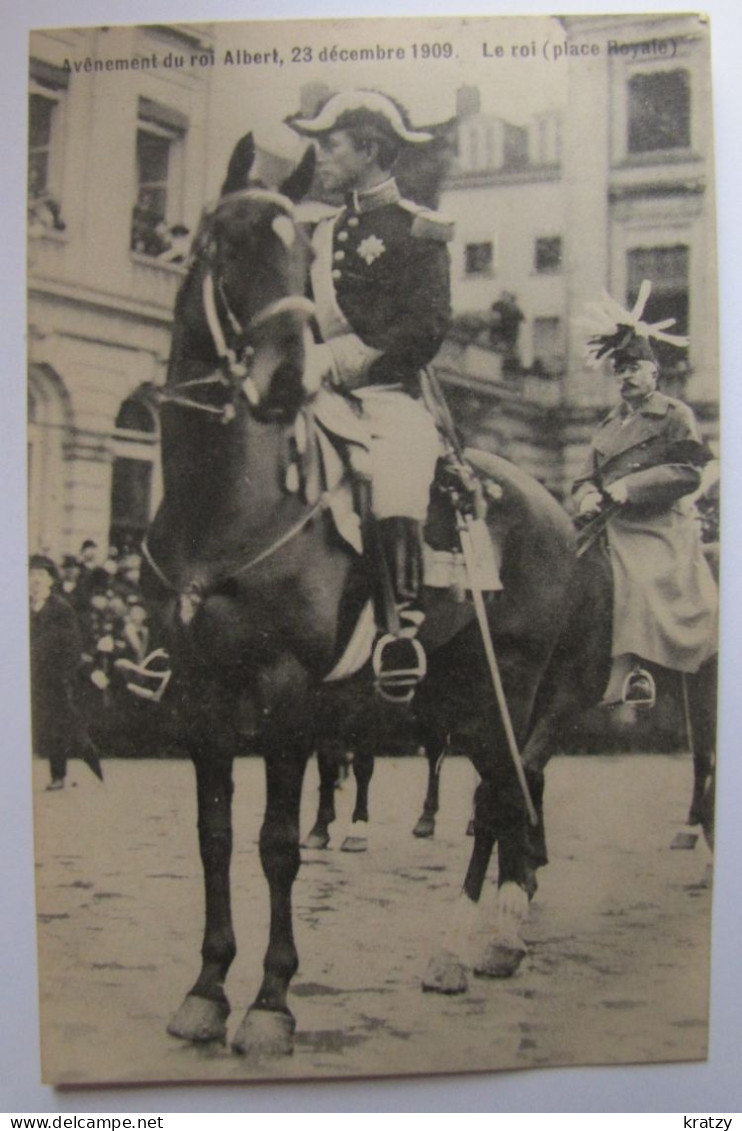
234 373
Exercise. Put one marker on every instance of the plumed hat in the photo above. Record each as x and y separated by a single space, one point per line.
355 108
620 334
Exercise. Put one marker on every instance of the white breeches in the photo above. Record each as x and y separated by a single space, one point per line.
404 447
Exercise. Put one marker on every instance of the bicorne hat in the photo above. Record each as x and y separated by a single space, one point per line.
621 335
355 108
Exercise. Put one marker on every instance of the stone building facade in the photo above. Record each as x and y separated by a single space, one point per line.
614 188
115 169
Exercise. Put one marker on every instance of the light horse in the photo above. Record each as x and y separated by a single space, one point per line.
250 584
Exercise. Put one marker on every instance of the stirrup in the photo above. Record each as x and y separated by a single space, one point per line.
639 689
398 684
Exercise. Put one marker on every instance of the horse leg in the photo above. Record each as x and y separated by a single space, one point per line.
287 743
446 970
701 707
363 768
330 752
521 849
435 752
501 818
204 1011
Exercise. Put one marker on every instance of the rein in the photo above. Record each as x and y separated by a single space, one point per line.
264 555
237 365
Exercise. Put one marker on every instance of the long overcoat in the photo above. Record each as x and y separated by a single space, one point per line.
55 659
665 600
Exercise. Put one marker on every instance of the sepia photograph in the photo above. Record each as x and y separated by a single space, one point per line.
373 480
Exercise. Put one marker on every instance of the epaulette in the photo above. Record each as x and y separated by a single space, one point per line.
428 224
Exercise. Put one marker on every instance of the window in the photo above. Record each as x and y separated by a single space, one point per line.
514 146
659 111
130 502
479 258
548 254
159 177
667 268
45 107
40 117
548 347
135 416
135 472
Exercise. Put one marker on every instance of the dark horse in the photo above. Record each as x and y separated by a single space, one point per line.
251 584
576 679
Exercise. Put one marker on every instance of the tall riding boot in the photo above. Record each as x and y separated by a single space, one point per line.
402 548
399 660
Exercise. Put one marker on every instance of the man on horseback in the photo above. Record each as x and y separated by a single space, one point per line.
644 459
380 282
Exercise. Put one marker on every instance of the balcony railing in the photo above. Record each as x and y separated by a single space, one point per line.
47 254
153 282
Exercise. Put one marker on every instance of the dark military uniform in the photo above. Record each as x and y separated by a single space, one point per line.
665 599
387 270
380 282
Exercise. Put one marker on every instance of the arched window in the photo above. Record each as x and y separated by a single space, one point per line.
135 416
135 482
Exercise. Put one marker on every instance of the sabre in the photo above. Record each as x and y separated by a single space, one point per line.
463 522
442 413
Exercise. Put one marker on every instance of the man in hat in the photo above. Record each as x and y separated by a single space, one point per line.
644 459
56 724
70 576
381 286
505 319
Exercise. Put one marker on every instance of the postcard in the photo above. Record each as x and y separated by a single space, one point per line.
373 437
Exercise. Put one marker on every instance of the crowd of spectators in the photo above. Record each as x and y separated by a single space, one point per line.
102 589
105 595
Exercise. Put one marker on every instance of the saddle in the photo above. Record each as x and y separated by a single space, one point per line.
326 463
328 458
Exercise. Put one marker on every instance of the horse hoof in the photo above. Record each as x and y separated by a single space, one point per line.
425 827
354 844
445 975
470 829
684 839
265 1033
200 1019
500 960
316 840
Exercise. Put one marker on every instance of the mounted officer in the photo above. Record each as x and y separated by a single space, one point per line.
380 282
645 459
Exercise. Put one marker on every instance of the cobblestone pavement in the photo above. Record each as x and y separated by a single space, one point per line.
619 931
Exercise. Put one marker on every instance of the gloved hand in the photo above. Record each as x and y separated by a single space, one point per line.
618 491
590 503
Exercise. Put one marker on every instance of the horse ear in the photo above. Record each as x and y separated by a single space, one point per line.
240 164
296 186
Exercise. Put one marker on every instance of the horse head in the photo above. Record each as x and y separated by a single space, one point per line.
245 295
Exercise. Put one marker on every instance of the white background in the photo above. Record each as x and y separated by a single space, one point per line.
700 1088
